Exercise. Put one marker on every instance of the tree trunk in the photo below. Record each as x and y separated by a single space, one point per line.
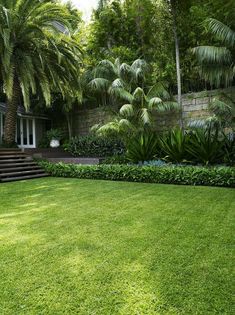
178 70
11 115
69 124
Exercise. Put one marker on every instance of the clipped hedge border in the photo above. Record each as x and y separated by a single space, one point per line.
180 175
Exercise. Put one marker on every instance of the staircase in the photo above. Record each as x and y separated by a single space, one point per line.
16 165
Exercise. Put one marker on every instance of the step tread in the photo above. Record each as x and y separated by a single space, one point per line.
10 149
21 173
11 152
14 156
22 164
22 168
11 179
16 160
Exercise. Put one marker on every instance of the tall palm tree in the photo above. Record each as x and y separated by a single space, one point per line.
173 6
218 62
137 115
37 54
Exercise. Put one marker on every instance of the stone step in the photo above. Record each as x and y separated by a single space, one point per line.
22 173
19 168
10 152
16 160
11 179
18 165
13 156
10 149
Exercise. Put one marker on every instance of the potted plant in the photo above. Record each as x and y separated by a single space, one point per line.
54 136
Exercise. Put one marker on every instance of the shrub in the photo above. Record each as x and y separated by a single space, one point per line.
201 145
142 147
205 145
115 159
229 149
186 175
174 145
94 146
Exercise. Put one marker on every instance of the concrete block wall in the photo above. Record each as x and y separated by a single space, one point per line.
195 106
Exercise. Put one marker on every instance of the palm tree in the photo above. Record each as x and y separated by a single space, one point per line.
37 54
117 80
173 5
218 63
137 115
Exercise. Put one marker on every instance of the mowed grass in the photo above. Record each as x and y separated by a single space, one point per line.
70 246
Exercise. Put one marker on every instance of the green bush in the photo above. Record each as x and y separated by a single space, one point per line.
94 146
229 150
173 145
206 145
182 175
142 147
115 159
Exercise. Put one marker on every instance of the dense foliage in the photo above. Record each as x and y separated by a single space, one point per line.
206 145
183 175
131 29
94 146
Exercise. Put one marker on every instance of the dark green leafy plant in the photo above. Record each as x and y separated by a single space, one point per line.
54 134
116 159
142 147
94 146
205 145
229 149
174 145
180 175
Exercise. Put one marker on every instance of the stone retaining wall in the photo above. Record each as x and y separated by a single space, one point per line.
195 106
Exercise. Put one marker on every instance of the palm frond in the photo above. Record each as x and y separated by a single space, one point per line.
212 54
112 126
158 90
121 94
138 94
117 83
224 33
127 110
154 102
145 116
167 106
125 124
220 107
99 84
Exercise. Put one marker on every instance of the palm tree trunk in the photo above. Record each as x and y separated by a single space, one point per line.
11 115
177 59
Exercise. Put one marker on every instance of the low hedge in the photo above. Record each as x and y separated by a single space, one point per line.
181 175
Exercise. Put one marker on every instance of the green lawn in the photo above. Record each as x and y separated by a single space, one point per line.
70 246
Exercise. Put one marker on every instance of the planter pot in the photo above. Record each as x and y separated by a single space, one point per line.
54 143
